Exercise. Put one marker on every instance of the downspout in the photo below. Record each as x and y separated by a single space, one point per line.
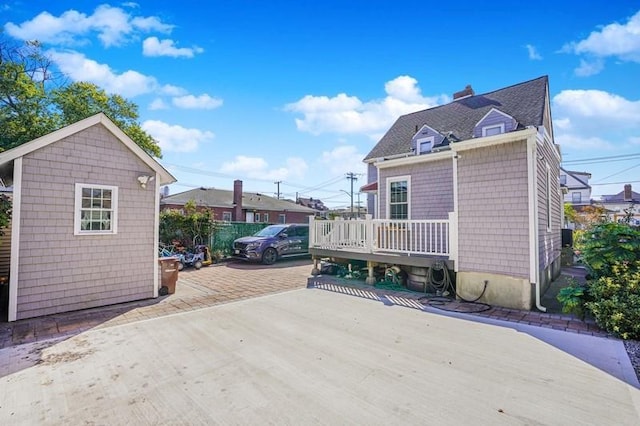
534 243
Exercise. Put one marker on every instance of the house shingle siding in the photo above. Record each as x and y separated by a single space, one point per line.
492 210
431 189
60 271
550 239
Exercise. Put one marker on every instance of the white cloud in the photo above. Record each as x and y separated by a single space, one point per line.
176 138
348 114
258 168
343 159
111 24
128 84
591 67
533 52
586 119
197 102
596 108
157 104
621 41
152 46
171 90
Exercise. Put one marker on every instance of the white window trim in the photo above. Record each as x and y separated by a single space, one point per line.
420 141
256 217
78 208
227 214
485 129
283 217
265 217
391 180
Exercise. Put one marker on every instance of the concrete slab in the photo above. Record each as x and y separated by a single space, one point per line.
308 357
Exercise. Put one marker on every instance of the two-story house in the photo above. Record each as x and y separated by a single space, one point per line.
577 185
472 184
624 203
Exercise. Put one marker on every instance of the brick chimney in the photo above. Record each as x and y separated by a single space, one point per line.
468 91
628 194
237 200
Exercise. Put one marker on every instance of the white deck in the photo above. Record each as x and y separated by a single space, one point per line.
379 236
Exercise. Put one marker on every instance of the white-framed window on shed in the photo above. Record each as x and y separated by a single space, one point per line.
398 197
96 209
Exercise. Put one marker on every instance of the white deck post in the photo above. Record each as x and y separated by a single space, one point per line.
369 233
453 239
312 240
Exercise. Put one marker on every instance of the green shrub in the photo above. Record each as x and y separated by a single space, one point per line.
615 300
573 298
606 244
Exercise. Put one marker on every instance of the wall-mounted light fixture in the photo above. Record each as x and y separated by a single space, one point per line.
143 180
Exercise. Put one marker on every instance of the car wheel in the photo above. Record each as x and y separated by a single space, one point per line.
197 264
269 256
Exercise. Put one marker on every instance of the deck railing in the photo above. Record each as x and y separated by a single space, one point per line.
425 237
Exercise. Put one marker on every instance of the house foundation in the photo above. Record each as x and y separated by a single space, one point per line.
495 289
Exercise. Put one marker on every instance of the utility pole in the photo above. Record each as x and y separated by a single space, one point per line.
278 182
352 177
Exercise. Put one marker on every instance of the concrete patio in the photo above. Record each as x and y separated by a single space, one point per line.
309 357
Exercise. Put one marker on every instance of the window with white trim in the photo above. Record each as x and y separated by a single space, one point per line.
424 145
398 198
576 197
265 217
282 218
257 217
493 130
226 216
96 209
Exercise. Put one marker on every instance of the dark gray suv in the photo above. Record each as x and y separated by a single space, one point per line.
272 243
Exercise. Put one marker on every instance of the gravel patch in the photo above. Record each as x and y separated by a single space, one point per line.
633 350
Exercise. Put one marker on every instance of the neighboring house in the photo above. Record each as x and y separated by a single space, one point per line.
473 184
85 219
624 202
239 206
313 203
578 189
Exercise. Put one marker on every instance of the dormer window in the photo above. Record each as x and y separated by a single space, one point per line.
493 130
494 122
424 145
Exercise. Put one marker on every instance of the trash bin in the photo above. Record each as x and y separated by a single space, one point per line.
168 273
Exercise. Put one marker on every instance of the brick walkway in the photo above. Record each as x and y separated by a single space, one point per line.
213 285
233 281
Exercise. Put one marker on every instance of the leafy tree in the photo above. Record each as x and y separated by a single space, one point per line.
35 101
570 214
81 100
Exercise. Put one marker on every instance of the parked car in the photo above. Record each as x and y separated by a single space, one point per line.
272 243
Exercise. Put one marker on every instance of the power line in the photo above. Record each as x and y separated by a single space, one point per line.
608 159
620 172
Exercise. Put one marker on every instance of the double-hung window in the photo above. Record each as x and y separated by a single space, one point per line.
96 209
399 197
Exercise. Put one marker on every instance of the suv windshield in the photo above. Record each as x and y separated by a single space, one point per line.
269 231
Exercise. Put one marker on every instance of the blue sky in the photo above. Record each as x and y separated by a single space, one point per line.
300 91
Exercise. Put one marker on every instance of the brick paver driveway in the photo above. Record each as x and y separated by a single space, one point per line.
209 286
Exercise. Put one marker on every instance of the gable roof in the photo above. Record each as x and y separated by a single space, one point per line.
525 102
213 197
619 198
576 176
100 118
